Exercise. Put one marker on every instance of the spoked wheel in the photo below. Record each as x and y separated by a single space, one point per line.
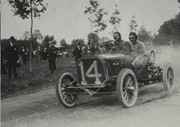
66 99
127 88
168 78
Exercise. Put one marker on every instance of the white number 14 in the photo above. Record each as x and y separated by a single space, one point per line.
89 74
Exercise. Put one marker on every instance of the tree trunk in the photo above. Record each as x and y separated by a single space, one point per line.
30 56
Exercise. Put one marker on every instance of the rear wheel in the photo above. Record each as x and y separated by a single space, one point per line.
168 78
66 99
127 88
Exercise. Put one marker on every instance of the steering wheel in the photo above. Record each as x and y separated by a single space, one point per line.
110 45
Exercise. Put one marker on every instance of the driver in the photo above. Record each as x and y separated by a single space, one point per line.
120 45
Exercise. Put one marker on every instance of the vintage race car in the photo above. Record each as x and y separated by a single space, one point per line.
111 74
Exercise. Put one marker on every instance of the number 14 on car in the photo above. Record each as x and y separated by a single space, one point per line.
90 73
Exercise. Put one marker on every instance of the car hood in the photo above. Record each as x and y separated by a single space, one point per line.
116 62
117 57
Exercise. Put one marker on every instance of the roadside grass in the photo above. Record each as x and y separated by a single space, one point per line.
40 79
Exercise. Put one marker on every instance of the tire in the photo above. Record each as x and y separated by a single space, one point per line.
168 78
67 100
127 88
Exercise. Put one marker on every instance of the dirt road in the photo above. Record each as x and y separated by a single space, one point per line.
154 107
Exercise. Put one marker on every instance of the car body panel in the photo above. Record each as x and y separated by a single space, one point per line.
116 62
92 71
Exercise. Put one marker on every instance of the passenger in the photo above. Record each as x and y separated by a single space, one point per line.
138 51
120 45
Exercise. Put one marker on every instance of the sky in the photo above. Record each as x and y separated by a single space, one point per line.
65 19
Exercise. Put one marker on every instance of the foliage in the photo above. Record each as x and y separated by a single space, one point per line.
133 25
115 19
23 7
96 15
144 35
75 42
46 40
37 36
93 38
169 32
64 44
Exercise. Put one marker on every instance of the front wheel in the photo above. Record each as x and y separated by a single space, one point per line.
168 78
127 88
65 98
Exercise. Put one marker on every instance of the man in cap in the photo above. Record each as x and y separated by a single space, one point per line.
11 57
120 45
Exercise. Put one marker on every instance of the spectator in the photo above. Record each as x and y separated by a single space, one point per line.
52 52
92 49
88 49
23 54
77 53
11 57
44 54
37 53
3 62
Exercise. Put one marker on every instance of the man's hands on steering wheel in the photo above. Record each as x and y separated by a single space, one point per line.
110 45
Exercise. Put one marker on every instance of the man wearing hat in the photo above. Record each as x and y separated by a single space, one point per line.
11 57
52 52
77 53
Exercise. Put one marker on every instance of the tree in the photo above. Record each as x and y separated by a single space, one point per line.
115 19
63 43
169 32
93 38
96 16
28 9
36 36
75 42
144 35
26 35
46 40
133 25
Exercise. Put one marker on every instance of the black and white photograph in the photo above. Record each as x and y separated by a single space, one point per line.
90 63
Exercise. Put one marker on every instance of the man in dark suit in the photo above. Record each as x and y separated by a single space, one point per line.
11 57
52 52
77 53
